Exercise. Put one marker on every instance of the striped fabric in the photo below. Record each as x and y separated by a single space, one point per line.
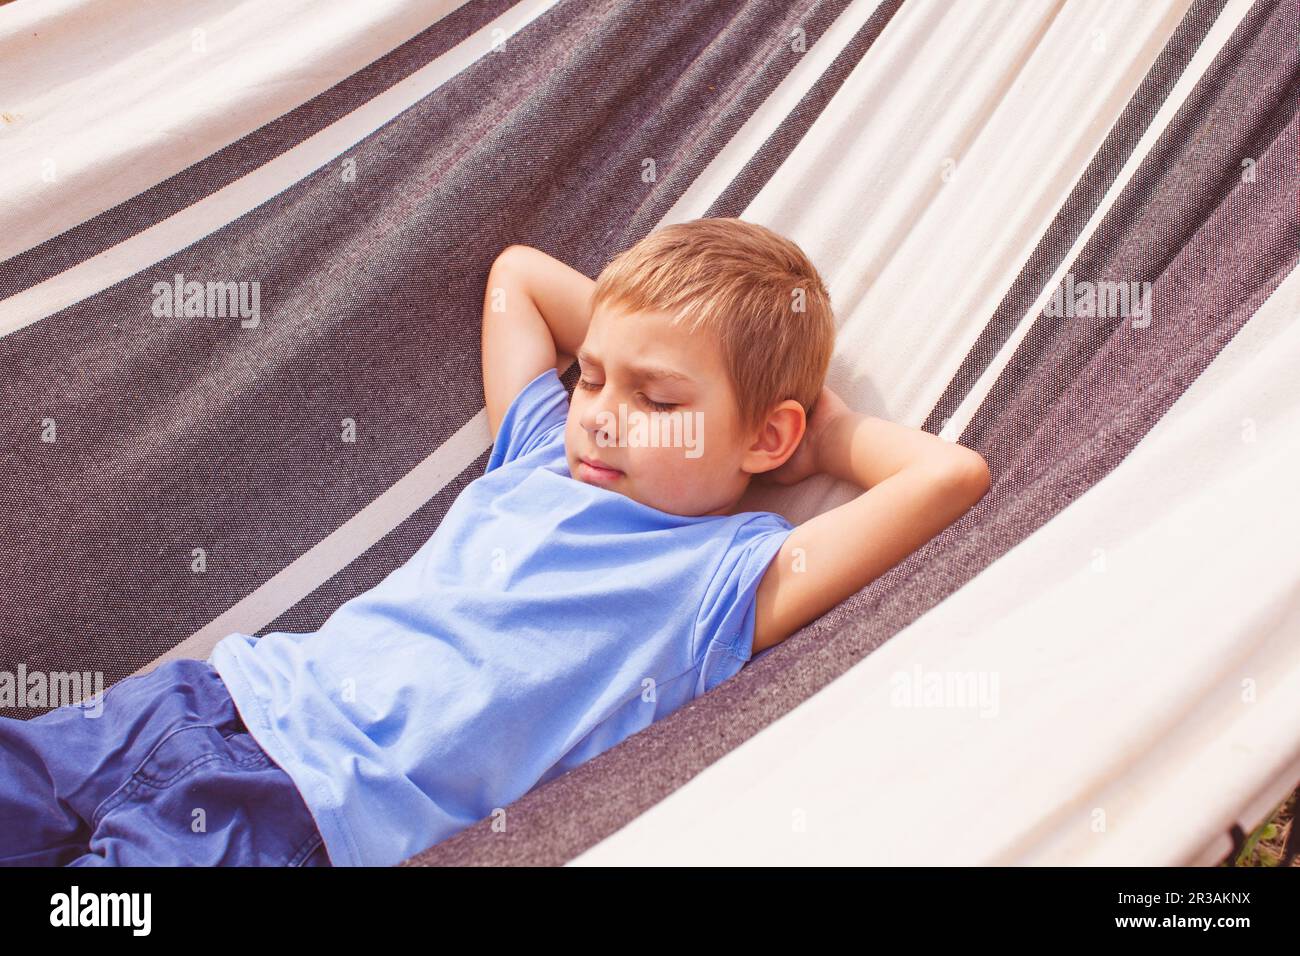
969 177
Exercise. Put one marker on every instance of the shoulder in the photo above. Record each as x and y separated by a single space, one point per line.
724 630
535 417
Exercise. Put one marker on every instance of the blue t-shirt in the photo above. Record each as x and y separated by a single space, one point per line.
546 620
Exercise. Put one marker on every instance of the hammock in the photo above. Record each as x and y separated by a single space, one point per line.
1121 610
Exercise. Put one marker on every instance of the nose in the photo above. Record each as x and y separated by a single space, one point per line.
600 417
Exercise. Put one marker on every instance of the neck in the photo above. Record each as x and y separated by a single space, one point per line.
735 506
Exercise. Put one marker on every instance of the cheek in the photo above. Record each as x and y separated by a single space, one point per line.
716 437
693 463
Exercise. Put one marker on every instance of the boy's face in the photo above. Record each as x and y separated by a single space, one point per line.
687 459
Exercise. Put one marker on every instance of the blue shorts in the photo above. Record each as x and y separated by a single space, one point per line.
166 774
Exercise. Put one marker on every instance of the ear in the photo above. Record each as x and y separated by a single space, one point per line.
776 439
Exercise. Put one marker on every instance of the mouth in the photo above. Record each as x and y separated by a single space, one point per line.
594 471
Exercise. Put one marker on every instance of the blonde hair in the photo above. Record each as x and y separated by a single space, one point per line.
751 288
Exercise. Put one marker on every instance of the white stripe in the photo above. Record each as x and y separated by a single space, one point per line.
731 160
224 206
1125 636
1229 18
103 99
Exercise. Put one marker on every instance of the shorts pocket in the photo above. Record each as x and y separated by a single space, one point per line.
206 796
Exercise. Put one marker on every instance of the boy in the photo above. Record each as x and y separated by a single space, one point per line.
600 574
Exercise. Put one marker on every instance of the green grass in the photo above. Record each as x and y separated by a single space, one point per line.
1265 846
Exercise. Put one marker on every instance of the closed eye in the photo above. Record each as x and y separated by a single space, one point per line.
657 406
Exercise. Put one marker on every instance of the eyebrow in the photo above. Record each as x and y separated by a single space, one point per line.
648 373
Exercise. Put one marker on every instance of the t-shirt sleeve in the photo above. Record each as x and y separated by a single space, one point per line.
535 418
724 631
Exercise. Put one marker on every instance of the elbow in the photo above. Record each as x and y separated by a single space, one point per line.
971 477
509 254
961 475
505 269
